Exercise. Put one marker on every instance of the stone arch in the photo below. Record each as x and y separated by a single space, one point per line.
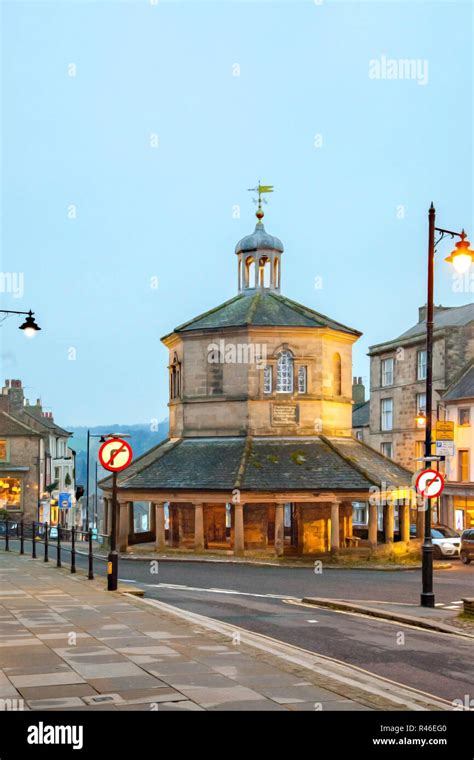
336 374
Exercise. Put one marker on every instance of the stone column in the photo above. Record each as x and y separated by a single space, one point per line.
335 541
151 517
279 529
388 522
404 521
131 521
449 511
199 526
239 529
373 515
160 538
123 525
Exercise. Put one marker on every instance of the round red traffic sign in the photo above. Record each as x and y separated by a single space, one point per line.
115 454
429 483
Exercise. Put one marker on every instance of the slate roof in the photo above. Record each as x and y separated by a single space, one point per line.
11 426
262 309
261 464
361 415
46 422
463 386
455 316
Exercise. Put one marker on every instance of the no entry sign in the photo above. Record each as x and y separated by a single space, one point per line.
429 484
115 454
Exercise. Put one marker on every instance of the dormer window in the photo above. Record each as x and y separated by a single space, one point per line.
285 373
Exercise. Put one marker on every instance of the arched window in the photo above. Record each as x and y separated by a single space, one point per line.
175 378
264 271
285 373
276 273
240 274
250 272
336 374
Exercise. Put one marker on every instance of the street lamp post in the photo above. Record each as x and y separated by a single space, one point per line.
102 439
461 259
29 326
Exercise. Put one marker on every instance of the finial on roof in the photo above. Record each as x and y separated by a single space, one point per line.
260 189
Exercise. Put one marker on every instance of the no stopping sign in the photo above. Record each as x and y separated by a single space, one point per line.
429 484
115 454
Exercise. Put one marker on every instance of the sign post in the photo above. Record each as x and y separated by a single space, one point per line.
114 455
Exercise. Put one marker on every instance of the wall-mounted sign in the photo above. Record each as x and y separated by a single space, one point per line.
64 501
284 414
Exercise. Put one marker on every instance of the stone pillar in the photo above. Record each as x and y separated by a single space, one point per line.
279 529
388 522
404 521
151 517
123 525
199 526
373 515
160 538
449 511
131 521
335 541
239 529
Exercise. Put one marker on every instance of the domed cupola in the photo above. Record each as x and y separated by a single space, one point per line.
259 256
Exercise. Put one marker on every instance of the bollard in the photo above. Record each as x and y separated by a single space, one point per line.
90 574
46 542
33 540
73 549
58 548
7 537
22 537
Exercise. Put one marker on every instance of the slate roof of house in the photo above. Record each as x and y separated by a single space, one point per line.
262 309
361 415
462 386
455 316
260 464
46 422
11 426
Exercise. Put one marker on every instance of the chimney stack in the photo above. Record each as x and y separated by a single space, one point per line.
358 391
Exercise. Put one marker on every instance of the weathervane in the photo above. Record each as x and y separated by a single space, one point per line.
260 189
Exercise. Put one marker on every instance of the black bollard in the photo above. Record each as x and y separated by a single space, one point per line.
58 548
7 537
46 542
33 540
22 537
90 574
73 550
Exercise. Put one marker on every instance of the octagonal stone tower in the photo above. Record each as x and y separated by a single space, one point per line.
260 364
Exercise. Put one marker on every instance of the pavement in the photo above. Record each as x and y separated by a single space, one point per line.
433 618
68 644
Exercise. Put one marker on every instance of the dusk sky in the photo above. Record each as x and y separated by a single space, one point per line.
131 132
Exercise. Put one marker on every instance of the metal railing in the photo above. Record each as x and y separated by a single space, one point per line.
40 533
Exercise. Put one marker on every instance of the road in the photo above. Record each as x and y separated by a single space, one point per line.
266 600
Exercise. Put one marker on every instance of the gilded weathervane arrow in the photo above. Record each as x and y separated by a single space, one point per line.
260 189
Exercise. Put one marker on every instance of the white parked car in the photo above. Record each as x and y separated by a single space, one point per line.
446 542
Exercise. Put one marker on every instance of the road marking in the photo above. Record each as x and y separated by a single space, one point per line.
312 621
178 587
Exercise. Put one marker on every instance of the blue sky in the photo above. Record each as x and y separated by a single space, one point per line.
351 211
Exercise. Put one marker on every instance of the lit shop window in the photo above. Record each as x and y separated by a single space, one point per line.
3 451
10 493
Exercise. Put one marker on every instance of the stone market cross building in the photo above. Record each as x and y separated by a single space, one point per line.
260 454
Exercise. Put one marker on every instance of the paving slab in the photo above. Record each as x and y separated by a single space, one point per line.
68 644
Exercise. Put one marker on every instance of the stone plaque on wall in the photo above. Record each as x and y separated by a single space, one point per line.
284 414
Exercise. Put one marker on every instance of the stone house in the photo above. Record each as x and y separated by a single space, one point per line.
30 439
457 501
398 380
